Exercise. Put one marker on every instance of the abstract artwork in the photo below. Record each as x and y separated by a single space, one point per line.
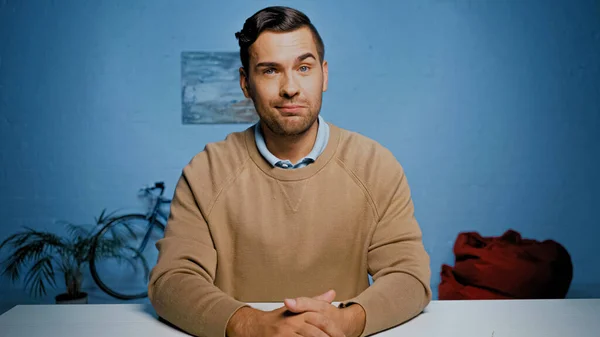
210 89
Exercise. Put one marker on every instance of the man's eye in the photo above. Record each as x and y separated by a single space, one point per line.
269 71
304 68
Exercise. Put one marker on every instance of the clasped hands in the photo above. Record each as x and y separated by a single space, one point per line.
303 316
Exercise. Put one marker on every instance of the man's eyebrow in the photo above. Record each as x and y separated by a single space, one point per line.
275 64
267 64
305 56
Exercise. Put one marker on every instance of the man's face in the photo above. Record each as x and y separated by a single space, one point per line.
285 80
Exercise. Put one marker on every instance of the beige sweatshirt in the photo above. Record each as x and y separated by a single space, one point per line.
242 231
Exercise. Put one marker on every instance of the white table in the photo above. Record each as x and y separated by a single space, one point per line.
516 318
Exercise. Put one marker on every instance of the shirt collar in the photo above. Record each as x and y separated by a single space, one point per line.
318 148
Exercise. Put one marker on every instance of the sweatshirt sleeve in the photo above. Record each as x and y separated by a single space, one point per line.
181 287
396 259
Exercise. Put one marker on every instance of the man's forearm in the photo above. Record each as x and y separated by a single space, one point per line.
192 304
391 300
355 319
242 322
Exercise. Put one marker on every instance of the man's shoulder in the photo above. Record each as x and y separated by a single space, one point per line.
219 159
361 153
373 166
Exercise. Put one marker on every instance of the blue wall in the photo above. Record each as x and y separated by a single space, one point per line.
493 108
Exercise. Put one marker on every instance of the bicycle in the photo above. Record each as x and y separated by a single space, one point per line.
131 228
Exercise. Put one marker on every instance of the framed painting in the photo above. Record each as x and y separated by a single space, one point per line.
210 89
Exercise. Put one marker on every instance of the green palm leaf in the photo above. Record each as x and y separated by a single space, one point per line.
40 273
45 253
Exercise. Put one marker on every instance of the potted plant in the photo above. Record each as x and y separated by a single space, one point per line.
46 253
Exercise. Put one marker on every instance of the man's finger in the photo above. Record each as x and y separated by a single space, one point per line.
309 330
327 297
324 324
304 304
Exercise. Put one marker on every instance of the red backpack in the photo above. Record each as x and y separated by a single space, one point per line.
506 267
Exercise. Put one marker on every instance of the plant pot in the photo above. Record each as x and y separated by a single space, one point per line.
65 298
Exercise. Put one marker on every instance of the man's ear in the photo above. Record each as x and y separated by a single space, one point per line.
325 76
244 82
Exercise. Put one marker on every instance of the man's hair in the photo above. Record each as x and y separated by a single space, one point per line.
275 19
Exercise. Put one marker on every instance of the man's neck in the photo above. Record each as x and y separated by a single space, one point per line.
292 148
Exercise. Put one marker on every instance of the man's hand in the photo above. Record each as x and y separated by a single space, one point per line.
281 322
350 319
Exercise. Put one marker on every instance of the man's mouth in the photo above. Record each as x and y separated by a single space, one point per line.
290 108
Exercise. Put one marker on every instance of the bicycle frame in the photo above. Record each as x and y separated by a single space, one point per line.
156 215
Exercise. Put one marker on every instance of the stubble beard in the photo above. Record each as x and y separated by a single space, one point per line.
282 129
278 126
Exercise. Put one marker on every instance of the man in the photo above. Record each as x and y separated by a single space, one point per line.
292 210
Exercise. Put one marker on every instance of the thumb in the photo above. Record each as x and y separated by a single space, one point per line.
327 297
303 304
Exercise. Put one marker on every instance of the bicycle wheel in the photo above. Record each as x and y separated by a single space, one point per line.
123 272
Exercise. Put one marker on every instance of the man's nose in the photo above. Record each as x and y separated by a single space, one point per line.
289 86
